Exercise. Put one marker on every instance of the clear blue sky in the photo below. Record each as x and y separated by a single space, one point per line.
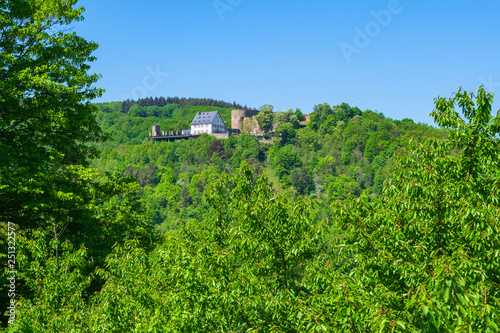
296 54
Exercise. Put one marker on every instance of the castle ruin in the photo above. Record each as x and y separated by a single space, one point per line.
238 117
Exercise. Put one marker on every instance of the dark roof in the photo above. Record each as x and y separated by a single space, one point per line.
203 118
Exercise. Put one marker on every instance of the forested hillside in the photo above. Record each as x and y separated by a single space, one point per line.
341 152
182 102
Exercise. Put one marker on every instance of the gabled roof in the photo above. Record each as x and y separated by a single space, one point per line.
203 118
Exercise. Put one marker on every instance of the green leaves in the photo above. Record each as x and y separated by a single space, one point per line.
429 242
252 266
265 118
46 119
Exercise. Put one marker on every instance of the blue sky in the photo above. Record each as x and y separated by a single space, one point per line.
392 57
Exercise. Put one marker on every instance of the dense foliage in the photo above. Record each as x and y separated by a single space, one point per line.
46 118
420 257
351 223
426 252
47 125
326 159
181 102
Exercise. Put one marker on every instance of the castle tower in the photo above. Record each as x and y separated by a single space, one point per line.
237 117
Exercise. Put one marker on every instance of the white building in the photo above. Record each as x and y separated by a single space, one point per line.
208 122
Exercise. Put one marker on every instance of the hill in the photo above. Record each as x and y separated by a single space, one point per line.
343 151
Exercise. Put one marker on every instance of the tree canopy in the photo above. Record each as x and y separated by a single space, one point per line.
48 136
265 118
426 249
46 117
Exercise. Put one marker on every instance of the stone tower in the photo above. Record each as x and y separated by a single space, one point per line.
238 116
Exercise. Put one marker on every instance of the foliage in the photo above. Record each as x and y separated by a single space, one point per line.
286 133
419 257
298 113
250 126
416 252
181 102
48 131
46 119
302 181
265 118
355 156
59 279
426 249
289 117
247 267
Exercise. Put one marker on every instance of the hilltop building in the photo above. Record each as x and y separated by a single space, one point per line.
208 122
211 123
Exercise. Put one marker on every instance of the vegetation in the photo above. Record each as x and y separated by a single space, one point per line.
181 102
327 159
265 118
426 249
47 123
353 223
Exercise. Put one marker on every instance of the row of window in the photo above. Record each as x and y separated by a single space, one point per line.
208 132
213 126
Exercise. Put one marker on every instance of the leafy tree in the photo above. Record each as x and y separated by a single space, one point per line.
137 111
48 131
426 248
302 181
371 148
59 277
46 118
342 187
321 111
284 160
265 118
250 126
286 132
298 113
287 117
218 147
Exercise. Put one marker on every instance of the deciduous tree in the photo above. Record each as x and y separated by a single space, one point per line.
426 250
46 118
265 118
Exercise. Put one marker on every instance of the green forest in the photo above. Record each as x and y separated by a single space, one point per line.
341 152
351 222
